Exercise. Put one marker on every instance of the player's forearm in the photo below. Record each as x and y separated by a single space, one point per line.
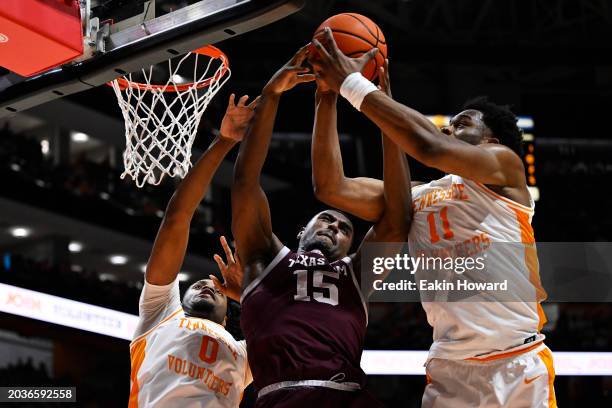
254 148
251 219
192 189
397 190
327 167
409 129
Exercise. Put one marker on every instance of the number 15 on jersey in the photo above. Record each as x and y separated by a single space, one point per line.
323 292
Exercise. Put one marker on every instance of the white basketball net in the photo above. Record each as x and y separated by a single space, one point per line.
161 125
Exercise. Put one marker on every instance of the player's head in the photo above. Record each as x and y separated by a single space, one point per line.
330 231
482 121
202 299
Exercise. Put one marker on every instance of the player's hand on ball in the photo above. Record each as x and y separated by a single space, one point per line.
291 74
237 117
232 273
332 66
383 79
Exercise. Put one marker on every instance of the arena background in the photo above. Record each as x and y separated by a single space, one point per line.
60 165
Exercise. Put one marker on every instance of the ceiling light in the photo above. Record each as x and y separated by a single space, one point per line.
118 259
183 276
44 146
79 137
179 79
143 268
20 232
75 246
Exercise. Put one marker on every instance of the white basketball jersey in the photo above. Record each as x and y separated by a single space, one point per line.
456 215
187 362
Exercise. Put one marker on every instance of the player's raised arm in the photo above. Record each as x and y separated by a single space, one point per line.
395 221
361 196
171 242
251 222
412 131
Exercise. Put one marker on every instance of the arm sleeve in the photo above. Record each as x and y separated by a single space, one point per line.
156 303
248 376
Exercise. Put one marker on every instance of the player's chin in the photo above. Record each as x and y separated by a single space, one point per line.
322 244
202 303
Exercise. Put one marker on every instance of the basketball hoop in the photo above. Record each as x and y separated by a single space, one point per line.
162 116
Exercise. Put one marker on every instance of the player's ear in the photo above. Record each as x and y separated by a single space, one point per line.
299 235
492 140
224 322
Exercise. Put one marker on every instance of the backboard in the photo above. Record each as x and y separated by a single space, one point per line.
121 36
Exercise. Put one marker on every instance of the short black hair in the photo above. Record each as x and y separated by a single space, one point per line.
501 120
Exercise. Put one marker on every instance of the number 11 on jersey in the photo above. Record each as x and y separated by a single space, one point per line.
433 232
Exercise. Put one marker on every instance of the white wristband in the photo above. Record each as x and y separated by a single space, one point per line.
355 88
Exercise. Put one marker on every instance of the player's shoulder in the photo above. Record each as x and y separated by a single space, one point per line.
505 155
346 260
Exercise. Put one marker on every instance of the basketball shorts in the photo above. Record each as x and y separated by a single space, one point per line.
510 381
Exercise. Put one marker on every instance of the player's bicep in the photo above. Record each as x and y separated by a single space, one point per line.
497 164
157 302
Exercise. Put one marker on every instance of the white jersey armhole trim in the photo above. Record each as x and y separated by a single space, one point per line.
135 339
279 257
505 200
349 262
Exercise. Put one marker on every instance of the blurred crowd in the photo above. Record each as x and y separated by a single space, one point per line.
92 191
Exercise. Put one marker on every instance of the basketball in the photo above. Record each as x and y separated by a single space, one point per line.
355 35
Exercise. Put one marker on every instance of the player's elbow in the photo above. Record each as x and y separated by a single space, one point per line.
323 192
430 152
176 220
243 183
395 225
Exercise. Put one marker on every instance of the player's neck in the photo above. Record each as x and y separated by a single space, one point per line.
301 250
196 315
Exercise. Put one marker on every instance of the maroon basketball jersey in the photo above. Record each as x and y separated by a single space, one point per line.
304 319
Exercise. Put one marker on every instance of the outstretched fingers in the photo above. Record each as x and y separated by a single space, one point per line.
242 100
222 266
306 78
220 286
255 102
383 78
228 251
300 56
365 58
323 54
331 41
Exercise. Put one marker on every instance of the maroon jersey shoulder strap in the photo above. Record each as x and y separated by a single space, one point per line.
348 261
284 252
